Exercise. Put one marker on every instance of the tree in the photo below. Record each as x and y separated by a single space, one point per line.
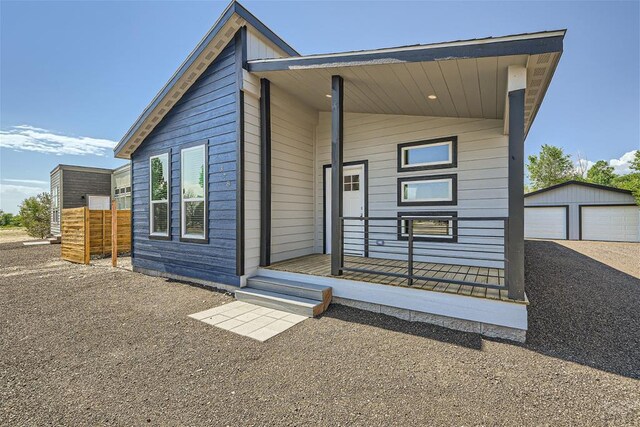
601 173
635 163
551 167
36 215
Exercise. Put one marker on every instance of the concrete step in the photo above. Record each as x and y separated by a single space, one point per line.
291 287
289 303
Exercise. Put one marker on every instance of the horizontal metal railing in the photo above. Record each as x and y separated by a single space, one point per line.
469 251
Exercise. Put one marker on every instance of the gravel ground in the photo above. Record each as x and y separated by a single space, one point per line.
92 345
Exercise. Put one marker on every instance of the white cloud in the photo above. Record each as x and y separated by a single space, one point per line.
621 165
30 138
27 181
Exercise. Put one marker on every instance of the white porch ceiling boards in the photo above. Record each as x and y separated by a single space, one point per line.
472 88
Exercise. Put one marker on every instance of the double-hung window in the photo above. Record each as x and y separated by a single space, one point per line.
427 190
159 195
193 185
431 154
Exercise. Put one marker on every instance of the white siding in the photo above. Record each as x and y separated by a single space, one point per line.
482 170
292 172
260 48
575 195
251 174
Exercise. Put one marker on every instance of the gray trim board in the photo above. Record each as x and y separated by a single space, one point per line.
424 53
240 62
515 233
337 155
265 173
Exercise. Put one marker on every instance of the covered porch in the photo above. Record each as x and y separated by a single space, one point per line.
323 117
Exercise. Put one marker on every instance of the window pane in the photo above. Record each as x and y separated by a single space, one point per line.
159 175
160 218
194 218
427 154
427 190
193 173
430 227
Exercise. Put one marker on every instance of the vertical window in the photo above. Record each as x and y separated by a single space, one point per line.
193 177
159 197
55 205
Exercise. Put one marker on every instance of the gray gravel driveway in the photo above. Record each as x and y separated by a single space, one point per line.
92 345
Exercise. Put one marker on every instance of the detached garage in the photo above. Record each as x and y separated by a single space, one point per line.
582 211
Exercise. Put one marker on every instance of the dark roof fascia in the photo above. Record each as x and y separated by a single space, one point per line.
584 184
234 7
81 168
425 53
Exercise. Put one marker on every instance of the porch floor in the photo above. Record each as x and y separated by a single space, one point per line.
320 265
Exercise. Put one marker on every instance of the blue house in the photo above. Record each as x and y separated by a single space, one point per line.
391 177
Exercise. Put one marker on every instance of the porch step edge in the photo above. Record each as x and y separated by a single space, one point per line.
291 287
289 303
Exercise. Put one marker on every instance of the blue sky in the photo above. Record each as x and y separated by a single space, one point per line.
75 75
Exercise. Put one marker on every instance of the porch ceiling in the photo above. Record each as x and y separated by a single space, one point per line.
471 87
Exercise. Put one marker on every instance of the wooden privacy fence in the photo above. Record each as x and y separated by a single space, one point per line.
88 232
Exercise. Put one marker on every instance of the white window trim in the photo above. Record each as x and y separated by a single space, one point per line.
183 201
404 150
428 181
153 202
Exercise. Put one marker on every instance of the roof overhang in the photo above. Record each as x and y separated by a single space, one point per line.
221 33
468 78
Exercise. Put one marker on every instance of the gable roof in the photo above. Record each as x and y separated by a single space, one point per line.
584 184
232 19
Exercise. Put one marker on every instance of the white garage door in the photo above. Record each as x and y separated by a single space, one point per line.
611 223
545 223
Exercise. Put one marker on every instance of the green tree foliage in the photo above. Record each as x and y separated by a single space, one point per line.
9 220
550 167
36 215
635 163
601 173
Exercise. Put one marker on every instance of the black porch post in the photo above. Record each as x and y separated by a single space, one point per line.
515 255
337 118
265 172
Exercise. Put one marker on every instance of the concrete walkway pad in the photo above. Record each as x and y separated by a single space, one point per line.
249 320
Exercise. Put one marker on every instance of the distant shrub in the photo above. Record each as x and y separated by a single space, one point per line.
36 215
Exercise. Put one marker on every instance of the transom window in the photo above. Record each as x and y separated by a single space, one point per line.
193 177
427 190
434 226
159 195
431 154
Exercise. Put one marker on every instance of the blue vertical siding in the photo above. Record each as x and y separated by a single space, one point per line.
206 112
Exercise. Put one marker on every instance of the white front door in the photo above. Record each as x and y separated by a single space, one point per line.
353 190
